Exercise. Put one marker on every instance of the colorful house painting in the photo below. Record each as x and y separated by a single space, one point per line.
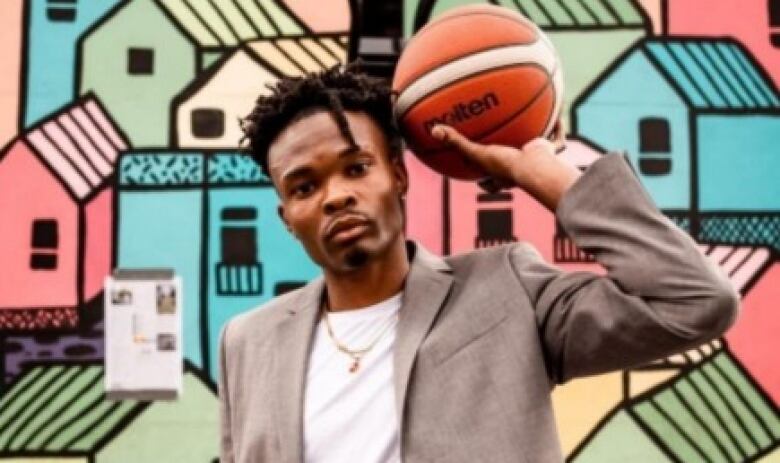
686 106
52 29
212 218
333 19
758 28
137 75
11 33
59 412
588 34
206 113
711 412
54 192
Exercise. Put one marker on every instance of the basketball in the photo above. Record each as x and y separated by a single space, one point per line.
487 71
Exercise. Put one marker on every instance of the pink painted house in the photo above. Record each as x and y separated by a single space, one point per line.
758 27
10 62
56 225
454 216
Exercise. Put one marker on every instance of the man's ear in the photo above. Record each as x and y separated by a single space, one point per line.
400 173
280 211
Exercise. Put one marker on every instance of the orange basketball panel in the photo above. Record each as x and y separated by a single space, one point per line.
526 125
475 105
452 37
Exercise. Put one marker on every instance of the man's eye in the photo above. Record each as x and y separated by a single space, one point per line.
357 168
302 189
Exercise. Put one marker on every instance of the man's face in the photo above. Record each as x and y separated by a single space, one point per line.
342 203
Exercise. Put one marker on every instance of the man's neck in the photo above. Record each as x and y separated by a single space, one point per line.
378 280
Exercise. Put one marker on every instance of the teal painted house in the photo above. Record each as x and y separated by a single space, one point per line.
52 29
212 217
137 72
699 120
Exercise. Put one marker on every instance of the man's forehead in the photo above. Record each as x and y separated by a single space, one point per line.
318 135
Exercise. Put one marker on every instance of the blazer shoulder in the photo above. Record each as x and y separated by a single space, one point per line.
492 257
263 319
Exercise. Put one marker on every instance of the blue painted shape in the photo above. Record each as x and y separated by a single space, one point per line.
663 55
163 229
719 74
748 68
704 81
610 117
51 54
282 257
739 163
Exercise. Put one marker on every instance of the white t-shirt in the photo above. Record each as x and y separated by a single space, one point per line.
351 416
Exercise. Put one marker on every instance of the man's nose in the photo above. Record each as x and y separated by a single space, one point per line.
338 197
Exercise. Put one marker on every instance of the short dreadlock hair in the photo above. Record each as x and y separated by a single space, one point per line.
337 89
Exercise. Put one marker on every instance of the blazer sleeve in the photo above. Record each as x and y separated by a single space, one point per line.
660 295
226 440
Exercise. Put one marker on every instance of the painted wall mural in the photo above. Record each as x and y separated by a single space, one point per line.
119 144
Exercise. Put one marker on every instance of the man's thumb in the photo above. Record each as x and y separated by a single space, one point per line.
450 136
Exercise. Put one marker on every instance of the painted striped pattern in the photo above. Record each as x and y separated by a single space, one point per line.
80 145
227 23
559 14
295 56
713 73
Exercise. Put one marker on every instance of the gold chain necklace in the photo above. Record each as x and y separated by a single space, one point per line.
355 354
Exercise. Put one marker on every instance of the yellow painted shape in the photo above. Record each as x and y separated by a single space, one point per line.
581 403
275 57
640 381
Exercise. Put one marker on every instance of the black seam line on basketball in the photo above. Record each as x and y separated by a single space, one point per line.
461 79
549 74
417 35
478 138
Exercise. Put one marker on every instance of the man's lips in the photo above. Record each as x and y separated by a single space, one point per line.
346 228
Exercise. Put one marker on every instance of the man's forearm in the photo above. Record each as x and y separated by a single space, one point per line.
543 174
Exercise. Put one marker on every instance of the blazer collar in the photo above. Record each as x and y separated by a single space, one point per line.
425 289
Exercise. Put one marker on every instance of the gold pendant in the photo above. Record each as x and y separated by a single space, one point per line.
355 366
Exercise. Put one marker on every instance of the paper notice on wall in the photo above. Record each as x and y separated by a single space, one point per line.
143 334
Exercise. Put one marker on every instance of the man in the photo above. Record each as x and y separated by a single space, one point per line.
397 354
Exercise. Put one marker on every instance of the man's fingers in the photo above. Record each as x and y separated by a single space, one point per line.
454 138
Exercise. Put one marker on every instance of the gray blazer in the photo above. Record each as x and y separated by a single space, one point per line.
483 337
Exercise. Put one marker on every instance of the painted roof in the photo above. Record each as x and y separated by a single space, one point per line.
741 263
579 14
229 23
711 412
712 73
740 422
80 144
294 56
62 409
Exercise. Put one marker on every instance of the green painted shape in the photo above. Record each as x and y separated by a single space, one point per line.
99 430
745 413
71 413
560 17
287 24
627 11
584 56
16 390
207 58
685 387
676 411
140 104
63 440
604 16
183 430
581 14
725 413
756 401
43 406
191 23
535 13
28 397
44 419
621 440
257 18
410 9
664 430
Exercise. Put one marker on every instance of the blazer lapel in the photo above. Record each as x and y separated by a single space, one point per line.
426 288
291 364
